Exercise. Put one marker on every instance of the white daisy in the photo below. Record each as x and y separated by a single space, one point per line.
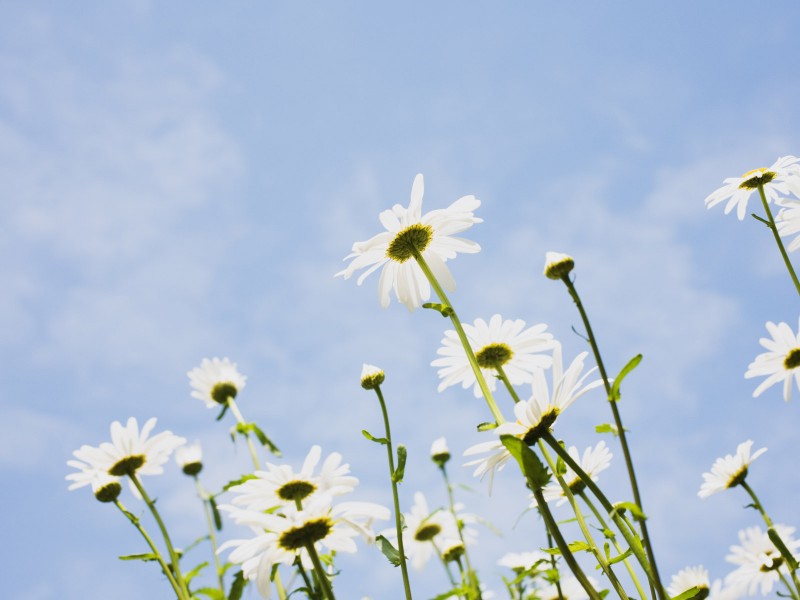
280 485
557 265
788 222
371 376
440 453
215 381
730 470
407 230
760 562
523 561
130 450
105 487
498 343
686 579
571 589
190 458
780 363
593 461
778 180
536 416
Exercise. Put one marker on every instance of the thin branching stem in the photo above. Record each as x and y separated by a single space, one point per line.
774 229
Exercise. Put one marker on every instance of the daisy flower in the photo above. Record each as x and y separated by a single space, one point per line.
131 451
215 381
522 561
760 564
190 458
536 416
280 485
371 376
788 222
409 231
729 471
593 461
557 265
780 362
440 453
504 344
778 180
686 579
571 589
105 487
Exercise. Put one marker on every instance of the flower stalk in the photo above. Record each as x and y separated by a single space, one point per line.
774 228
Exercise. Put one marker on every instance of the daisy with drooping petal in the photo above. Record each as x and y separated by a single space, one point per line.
730 470
686 579
778 180
780 363
280 485
760 563
536 416
215 381
131 451
498 344
408 231
593 461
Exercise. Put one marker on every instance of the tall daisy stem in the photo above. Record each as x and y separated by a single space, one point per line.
212 536
774 228
504 378
395 497
462 336
471 575
322 576
659 588
173 556
240 419
164 567
554 567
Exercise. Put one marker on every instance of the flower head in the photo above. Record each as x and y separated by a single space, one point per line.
410 233
371 376
440 453
130 452
779 179
190 458
686 579
215 381
497 344
593 461
558 265
780 363
760 563
105 487
729 471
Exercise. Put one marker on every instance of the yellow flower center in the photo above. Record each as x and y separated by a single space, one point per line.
752 180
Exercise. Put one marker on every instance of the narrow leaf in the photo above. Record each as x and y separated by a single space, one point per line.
607 428
194 572
222 412
215 513
237 587
690 593
487 426
531 466
443 309
389 551
635 510
621 557
579 547
265 441
372 438
397 476
148 557
239 481
785 553
212 593
632 364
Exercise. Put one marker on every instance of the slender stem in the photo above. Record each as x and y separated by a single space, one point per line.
322 576
553 564
552 528
785 581
504 378
174 560
621 431
279 586
240 419
212 536
164 567
587 535
610 535
395 497
444 564
472 576
777 237
487 394
309 585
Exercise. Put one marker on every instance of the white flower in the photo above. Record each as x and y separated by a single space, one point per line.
523 561
780 362
760 563
130 450
496 344
440 453
190 458
593 461
536 416
105 487
557 265
730 470
371 376
409 231
788 222
280 485
282 537
779 179
215 381
686 579
571 589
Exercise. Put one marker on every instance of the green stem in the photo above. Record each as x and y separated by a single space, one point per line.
212 536
553 564
279 586
487 394
240 419
656 580
472 576
322 576
309 585
777 237
395 495
173 556
504 378
164 567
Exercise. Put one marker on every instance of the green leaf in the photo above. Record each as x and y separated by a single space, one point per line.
487 426
607 428
215 513
692 592
237 587
372 438
621 557
397 476
443 309
389 551
212 593
194 572
148 557
579 547
785 553
222 412
195 543
457 591
635 510
614 395
265 441
531 466
240 481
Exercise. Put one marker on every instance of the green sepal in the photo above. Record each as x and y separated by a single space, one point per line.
222 412
237 587
147 557
487 426
372 438
614 394
402 454
212 593
389 551
215 513
194 572
443 309
785 553
690 593
240 481
533 469
637 513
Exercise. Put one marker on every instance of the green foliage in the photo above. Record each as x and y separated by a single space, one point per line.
389 551
146 557
533 469
399 472
614 395
237 587
372 438
442 309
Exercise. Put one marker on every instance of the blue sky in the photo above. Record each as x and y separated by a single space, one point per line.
182 180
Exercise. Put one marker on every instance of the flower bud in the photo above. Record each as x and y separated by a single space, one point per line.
557 265
190 459
106 488
371 376
440 453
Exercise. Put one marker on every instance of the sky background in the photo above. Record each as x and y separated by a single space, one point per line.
181 180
